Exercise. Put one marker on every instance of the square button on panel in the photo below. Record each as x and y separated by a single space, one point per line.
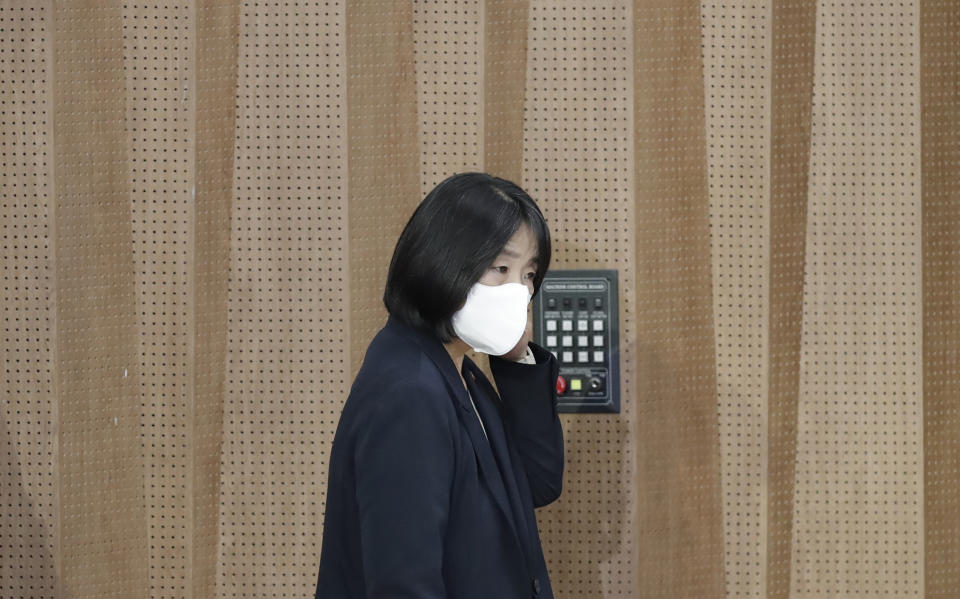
567 341
582 325
567 325
598 356
597 325
551 340
551 325
598 340
583 341
567 357
576 384
583 356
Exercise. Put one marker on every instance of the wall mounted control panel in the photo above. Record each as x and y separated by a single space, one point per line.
575 317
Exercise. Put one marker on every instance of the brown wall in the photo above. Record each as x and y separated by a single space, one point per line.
199 200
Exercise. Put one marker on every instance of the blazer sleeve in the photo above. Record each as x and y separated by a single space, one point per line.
405 467
529 394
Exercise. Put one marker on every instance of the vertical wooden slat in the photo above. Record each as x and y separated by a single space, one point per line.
448 46
940 164
29 461
160 74
504 78
680 518
737 90
382 151
578 165
858 490
792 41
103 542
287 367
215 99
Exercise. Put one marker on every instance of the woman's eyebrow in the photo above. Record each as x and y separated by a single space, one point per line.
512 254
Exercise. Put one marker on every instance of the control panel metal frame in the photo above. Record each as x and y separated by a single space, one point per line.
564 283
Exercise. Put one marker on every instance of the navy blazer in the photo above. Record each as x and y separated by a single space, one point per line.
420 502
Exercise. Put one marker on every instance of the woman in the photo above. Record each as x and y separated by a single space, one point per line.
434 476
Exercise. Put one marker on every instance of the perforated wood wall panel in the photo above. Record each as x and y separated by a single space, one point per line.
188 291
215 114
383 187
577 164
679 534
287 363
858 524
471 65
793 37
180 133
448 46
736 74
29 505
940 151
103 542
160 136
505 26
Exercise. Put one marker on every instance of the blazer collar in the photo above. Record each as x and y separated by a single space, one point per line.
437 354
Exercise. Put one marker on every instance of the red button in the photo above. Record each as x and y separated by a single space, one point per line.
561 385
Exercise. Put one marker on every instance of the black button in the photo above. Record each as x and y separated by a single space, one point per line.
566 302
552 303
583 302
598 303
536 586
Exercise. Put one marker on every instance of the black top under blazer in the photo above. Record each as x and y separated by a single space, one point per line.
420 503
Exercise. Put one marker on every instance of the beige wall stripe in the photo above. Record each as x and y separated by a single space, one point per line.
287 369
29 468
858 495
215 136
578 166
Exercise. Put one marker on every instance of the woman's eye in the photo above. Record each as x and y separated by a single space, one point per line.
531 275
500 269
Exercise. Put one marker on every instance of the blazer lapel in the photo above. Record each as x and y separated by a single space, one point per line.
488 406
481 446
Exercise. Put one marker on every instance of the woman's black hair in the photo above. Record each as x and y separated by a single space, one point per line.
454 235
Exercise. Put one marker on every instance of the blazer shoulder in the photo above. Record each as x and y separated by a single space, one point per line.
396 365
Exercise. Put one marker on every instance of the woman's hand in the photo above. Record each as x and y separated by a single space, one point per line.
520 349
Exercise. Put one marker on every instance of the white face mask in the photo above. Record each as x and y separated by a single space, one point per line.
494 317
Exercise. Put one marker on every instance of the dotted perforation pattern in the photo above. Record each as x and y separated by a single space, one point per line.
287 314
383 152
736 55
679 533
103 533
214 110
793 26
448 48
859 476
505 26
577 164
161 134
940 147
29 505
